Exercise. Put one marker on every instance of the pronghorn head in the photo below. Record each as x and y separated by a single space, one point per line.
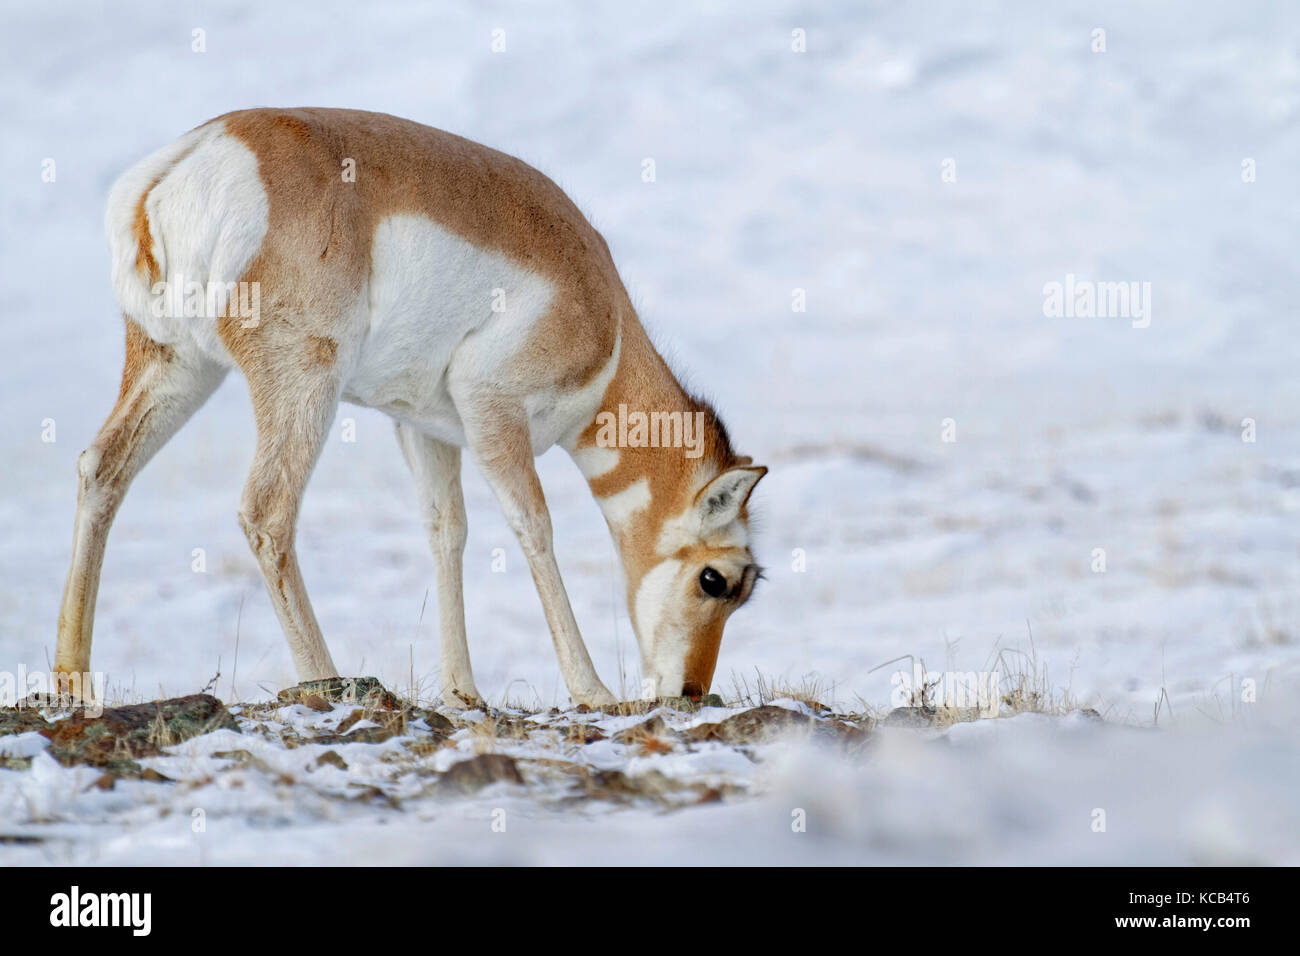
695 570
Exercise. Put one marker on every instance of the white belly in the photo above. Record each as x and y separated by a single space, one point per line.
429 290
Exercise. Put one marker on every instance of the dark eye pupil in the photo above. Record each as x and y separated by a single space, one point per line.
713 583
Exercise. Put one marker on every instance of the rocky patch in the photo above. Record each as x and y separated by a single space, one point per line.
119 736
353 740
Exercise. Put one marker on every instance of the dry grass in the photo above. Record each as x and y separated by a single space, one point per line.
1025 685
810 691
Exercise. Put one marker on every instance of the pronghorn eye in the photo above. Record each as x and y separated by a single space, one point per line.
713 583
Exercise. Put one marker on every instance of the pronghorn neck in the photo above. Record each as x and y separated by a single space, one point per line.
649 448
675 497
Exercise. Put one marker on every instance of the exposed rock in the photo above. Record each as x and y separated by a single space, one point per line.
331 758
933 716
20 720
852 736
437 723
616 783
391 723
910 717
619 787
610 785
120 735
117 769
367 793
365 735
18 839
582 734
478 772
757 725
504 726
423 746
348 722
243 758
654 727
691 704
363 691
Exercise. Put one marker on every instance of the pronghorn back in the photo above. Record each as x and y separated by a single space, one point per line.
410 253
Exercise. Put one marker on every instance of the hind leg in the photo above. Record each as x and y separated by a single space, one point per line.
294 403
161 388
435 465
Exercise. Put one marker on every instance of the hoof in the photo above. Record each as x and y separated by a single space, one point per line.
601 700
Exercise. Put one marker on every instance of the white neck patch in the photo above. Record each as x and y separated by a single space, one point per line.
663 648
619 507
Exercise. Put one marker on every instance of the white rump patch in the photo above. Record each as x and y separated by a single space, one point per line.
208 213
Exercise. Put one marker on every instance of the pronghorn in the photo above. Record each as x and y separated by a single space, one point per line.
454 288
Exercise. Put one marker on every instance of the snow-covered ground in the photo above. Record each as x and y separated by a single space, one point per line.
1024 789
825 171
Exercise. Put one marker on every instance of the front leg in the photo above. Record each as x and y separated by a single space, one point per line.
498 437
435 465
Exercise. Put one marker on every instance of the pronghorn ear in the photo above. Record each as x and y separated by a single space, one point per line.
719 502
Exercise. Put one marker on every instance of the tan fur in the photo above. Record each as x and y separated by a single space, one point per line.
158 394
144 260
644 381
322 350
141 352
321 226
702 657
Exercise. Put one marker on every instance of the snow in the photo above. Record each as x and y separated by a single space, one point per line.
1025 789
775 171
23 745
